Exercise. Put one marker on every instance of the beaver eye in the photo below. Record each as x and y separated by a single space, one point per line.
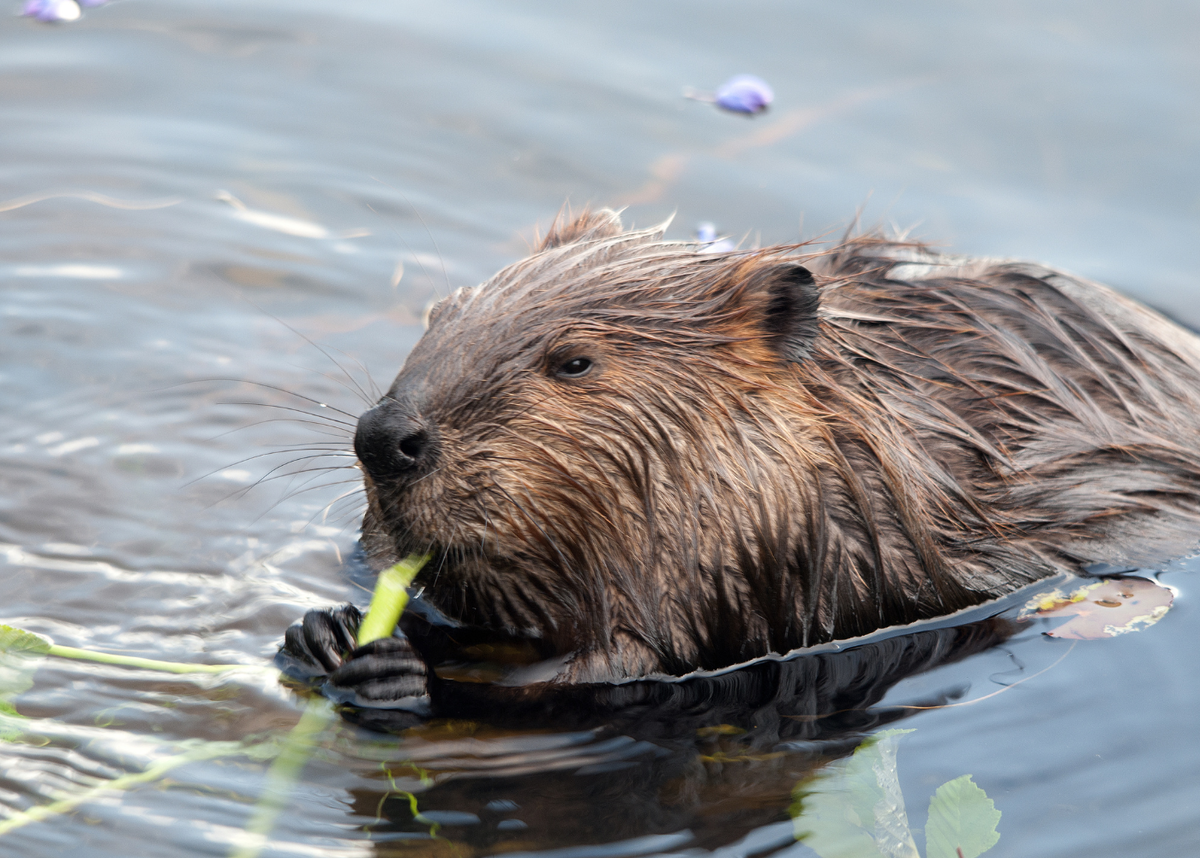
575 368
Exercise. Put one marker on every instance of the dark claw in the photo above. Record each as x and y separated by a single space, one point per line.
321 640
382 672
330 634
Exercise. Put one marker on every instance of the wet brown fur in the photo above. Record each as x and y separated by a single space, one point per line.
743 473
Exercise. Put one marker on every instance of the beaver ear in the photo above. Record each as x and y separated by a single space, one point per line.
587 225
437 308
789 301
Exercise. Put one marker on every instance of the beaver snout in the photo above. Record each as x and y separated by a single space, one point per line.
394 443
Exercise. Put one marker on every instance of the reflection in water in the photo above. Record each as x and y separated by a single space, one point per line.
706 759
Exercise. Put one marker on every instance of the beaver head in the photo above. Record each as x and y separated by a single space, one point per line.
636 453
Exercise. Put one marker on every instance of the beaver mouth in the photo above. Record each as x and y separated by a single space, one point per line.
467 578
487 591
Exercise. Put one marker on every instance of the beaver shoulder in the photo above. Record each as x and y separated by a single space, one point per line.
1083 403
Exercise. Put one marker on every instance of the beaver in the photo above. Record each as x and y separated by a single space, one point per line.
647 460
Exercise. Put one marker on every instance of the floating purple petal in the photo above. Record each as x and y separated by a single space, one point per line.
745 93
51 10
706 234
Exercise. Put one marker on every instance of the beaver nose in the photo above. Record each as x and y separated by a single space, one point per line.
392 441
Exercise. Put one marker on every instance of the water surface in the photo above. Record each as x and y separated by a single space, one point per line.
216 217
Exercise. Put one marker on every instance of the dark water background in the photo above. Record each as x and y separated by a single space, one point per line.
436 136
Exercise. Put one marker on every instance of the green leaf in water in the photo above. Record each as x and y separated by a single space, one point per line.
9 731
962 821
854 809
19 640
20 654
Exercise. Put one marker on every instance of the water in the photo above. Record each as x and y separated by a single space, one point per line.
240 185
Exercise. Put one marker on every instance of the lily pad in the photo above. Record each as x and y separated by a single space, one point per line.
1103 609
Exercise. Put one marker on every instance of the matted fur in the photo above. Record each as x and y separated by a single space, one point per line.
742 473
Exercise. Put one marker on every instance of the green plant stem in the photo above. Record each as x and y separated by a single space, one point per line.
390 598
387 604
284 773
124 782
143 663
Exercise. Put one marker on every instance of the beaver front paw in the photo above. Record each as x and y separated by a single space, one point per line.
319 644
382 674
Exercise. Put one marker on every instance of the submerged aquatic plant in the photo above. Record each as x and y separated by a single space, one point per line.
387 604
21 653
154 771
855 809
284 772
